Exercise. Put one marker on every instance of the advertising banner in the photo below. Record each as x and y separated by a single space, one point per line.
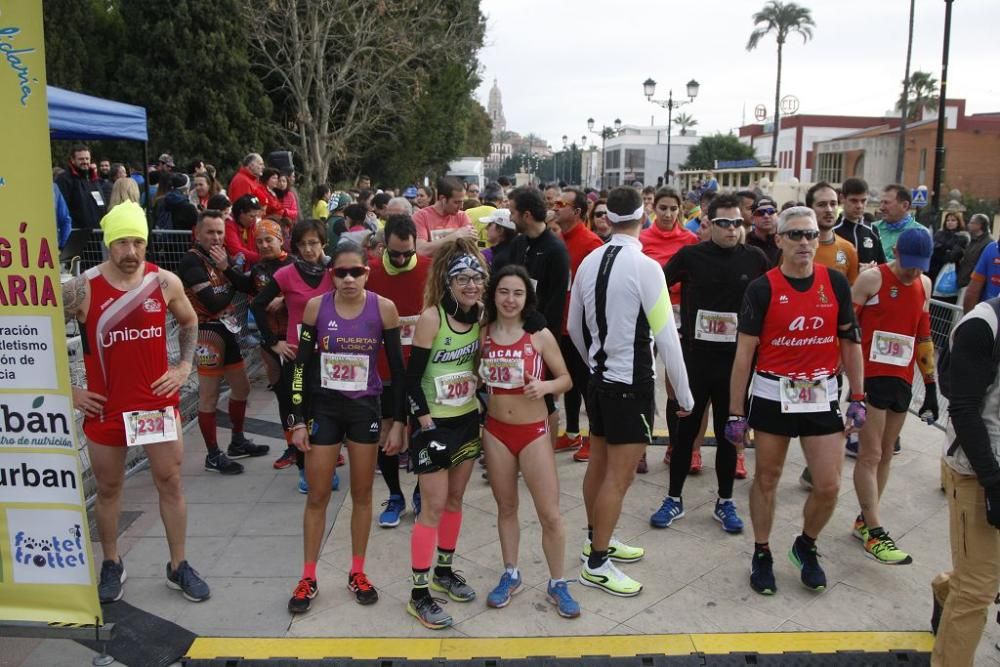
46 568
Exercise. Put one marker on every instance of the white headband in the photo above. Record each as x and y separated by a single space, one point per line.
615 219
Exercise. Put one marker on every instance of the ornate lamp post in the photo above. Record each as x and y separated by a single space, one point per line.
649 88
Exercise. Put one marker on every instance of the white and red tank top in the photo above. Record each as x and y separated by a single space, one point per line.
503 367
125 343
799 337
890 322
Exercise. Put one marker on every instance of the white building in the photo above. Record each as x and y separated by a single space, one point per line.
640 154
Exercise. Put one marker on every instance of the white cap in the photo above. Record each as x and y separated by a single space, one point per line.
501 217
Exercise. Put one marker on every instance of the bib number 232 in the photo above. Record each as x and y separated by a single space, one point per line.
147 427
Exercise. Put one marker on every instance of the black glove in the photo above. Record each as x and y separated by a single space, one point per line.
993 505
929 410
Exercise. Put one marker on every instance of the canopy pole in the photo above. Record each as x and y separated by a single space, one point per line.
145 181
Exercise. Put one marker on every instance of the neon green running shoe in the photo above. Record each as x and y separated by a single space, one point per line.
610 579
617 551
881 548
860 529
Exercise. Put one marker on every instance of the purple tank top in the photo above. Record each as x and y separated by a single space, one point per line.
349 348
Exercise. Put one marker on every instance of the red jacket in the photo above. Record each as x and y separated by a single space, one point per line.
245 183
241 241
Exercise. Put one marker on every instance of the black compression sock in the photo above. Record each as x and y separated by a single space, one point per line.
596 559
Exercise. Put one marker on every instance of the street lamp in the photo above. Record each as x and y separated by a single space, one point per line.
649 89
606 133
562 171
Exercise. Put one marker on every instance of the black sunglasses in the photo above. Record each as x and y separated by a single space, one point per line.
765 211
353 271
726 223
600 214
799 234
401 254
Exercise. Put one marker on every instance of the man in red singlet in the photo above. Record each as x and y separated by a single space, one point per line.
892 303
131 396
797 318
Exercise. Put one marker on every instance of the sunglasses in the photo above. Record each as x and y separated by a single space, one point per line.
726 223
765 211
401 254
352 271
799 234
600 214
559 203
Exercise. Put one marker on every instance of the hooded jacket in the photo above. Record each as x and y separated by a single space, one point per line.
82 192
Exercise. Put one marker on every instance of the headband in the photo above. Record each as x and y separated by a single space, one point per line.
465 263
270 228
615 219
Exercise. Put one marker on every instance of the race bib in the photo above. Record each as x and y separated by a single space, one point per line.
98 198
677 315
148 427
438 234
344 372
891 348
502 373
229 321
407 325
804 395
455 389
714 326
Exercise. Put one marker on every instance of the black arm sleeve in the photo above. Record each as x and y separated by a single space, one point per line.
419 356
755 300
241 281
972 373
397 373
307 343
259 309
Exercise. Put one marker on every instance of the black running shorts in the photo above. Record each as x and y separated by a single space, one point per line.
452 441
766 415
621 414
888 393
356 419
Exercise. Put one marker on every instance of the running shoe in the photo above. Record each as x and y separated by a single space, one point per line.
883 549
454 585
286 460
695 462
303 484
897 447
807 560
558 594
500 596
741 466
482 461
404 460
668 454
302 596
363 590
851 446
860 529
415 502
113 576
617 551
642 467
762 573
565 443
936 610
582 455
669 511
430 614
242 448
222 464
389 518
186 580
610 579
340 459
806 480
725 513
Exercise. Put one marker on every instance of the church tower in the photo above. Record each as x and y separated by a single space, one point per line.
495 110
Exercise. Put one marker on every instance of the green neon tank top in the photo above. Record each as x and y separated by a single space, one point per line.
449 381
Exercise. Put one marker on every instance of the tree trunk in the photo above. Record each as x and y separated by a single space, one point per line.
777 110
904 111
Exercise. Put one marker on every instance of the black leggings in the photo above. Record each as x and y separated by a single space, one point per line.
708 375
580 374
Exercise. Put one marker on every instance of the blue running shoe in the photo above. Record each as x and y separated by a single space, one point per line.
807 560
558 595
669 511
725 513
335 484
762 573
500 596
389 518
303 484
415 501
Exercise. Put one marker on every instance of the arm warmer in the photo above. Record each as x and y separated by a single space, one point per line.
397 373
307 342
259 309
419 356
241 281
656 305
972 373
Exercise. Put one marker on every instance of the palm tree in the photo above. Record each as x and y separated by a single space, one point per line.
922 95
685 121
781 18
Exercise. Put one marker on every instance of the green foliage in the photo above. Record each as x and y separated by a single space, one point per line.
684 121
717 147
83 41
923 90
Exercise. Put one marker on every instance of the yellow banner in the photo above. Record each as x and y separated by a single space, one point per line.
46 562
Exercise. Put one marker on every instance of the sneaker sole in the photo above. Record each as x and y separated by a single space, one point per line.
906 561
798 564
578 459
510 594
761 591
441 589
731 532
363 603
224 472
602 587
255 455
427 624
560 611
388 524
668 523
171 585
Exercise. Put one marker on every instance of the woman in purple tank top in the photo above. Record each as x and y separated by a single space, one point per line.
345 329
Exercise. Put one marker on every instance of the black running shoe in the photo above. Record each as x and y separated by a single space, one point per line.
936 610
113 576
762 573
222 464
241 448
186 580
363 590
303 596
807 560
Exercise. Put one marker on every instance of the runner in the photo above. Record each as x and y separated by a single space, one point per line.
444 219
516 433
714 275
618 309
892 304
800 317
349 325
851 224
441 383
401 277
211 283
121 305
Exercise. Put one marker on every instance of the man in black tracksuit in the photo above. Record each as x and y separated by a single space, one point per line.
851 224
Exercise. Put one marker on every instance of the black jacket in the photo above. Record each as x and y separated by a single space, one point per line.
865 239
971 257
83 196
948 247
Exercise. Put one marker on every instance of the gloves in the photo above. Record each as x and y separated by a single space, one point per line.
736 429
929 410
993 505
857 414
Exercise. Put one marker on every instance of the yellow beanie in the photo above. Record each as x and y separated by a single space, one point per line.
125 220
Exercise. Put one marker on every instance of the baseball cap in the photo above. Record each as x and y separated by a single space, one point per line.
500 217
167 159
410 192
914 248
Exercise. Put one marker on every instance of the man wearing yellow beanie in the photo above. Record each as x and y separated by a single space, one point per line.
132 394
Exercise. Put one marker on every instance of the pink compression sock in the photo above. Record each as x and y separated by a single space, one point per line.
448 529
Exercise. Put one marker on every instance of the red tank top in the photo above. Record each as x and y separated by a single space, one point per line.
895 313
799 338
406 290
125 343
503 367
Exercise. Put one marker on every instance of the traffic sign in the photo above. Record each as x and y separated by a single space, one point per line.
919 197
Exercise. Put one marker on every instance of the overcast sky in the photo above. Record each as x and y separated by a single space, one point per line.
559 63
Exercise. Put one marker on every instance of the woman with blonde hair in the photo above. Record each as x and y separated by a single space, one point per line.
124 189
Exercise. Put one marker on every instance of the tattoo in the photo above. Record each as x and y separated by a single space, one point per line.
164 284
74 293
188 338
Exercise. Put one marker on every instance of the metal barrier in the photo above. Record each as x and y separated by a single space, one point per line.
944 318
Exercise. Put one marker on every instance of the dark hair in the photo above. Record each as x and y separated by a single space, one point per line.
320 191
624 200
854 186
356 213
650 190
401 226
381 199
246 203
553 186
706 196
590 218
193 168
219 202
210 213
428 190
504 181
722 201
346 246
303 227
747 194
492 192
665 192
449 185
490 298
76 148
579 200
528 200
364 196
902 192
268 172
788 204
811 192
363 177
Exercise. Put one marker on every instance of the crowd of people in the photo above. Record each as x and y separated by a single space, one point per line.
431 328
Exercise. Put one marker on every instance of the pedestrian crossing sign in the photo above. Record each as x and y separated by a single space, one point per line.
919 198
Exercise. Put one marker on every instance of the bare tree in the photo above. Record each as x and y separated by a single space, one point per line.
346 68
